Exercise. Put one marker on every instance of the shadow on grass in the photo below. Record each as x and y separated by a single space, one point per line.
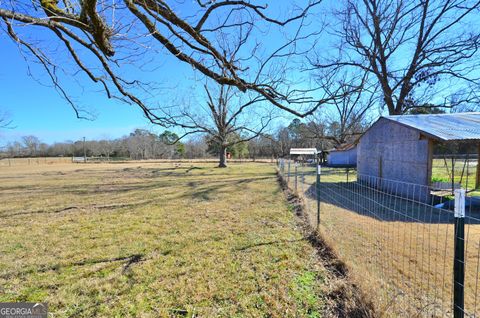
195 168
88 188
206 193
69 208
277 242
382 206
127 261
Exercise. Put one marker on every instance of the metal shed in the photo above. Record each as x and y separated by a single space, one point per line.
400 148
304 153
343 156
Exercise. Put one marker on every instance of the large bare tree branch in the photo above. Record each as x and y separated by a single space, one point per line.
5 121
101 36
418 52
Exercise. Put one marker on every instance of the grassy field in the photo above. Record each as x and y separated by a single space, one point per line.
154 240
464 172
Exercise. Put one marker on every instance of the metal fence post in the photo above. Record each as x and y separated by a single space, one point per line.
317 188
296 177
459 258
302 180
288 175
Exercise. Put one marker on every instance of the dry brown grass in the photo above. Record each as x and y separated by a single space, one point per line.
41 161
154 240
406 266
344 297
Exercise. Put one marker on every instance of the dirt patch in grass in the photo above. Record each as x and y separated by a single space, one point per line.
344 298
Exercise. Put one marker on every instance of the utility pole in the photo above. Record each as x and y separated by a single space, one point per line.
84 151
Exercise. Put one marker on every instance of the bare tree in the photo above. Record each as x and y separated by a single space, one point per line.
32 144
61 149
420 53
196 147
262 147
98 37
228 118
42 149
142 144
14 149
284 141
107 147
346 117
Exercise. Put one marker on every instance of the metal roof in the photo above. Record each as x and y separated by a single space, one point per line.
344 147
445 127
303 151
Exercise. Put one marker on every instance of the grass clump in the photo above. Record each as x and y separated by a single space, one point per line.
305 290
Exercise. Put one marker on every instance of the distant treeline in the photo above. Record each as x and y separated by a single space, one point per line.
143 144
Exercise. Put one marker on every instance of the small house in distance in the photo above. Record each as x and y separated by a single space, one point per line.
343 156
400 148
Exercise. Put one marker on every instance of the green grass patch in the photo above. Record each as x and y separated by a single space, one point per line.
305 290
463 172
439 179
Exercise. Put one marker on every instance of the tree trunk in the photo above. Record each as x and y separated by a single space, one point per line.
223 157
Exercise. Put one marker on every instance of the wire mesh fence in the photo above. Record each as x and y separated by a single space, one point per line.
398 239
454 172
13 162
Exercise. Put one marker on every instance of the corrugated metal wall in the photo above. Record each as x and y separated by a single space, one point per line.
343 157
392 151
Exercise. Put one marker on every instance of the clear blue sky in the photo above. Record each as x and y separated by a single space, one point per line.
39 110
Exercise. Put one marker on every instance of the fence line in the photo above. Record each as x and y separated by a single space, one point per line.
7 162
402 244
